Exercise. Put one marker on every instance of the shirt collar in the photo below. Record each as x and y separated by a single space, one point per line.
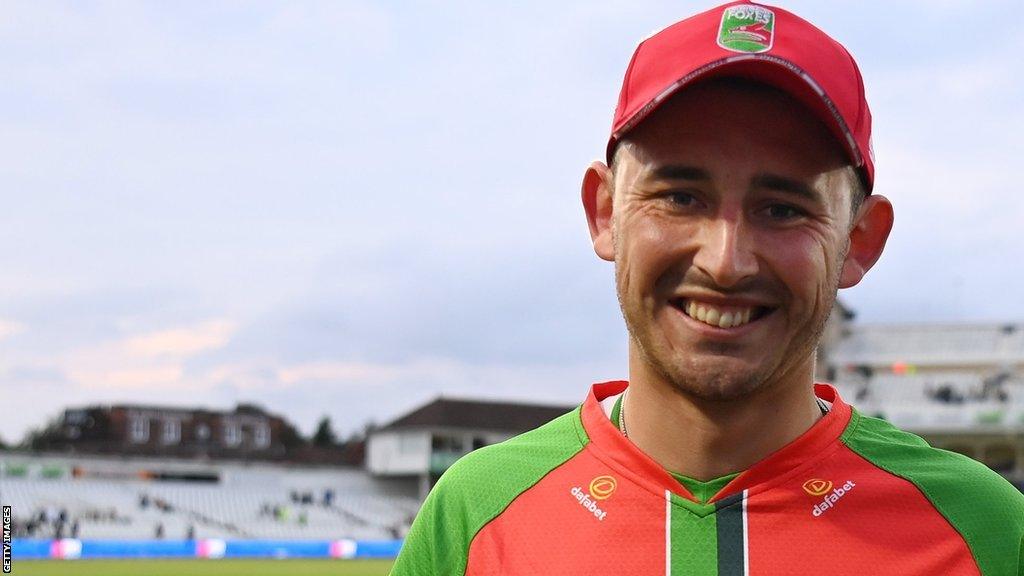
615 449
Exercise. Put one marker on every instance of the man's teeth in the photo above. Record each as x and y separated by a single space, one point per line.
722 317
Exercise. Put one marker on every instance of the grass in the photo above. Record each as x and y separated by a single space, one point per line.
201 567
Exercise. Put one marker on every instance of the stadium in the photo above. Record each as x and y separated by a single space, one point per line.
224 221
187 486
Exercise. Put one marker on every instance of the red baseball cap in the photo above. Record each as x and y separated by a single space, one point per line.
762 43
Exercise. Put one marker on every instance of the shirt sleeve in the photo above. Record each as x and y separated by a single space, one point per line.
433 545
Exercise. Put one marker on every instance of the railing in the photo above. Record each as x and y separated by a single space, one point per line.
71 549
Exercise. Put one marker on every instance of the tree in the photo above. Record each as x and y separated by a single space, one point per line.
290 437
324 436
45 437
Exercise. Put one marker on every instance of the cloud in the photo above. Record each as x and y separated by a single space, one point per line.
10 328
438 369
182 342
333 371
154 359
126 379
354 392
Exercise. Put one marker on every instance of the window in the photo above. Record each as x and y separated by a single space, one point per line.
446 443
261 436
232 434
409 443
76 417
171 432
139 429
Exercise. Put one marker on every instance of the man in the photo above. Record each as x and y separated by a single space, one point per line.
736 201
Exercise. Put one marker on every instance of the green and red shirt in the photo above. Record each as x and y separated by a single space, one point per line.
853 495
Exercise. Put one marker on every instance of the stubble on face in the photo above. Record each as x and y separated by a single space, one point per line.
694 380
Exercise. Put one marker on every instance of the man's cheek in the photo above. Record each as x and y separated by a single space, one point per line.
805 268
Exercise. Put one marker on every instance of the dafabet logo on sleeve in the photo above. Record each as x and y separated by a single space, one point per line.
818 487
601 488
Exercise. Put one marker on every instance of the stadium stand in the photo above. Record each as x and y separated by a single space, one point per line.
247 502
930 344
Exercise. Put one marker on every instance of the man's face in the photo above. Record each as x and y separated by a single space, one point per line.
730 223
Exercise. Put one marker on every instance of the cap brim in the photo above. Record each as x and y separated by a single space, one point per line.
770 70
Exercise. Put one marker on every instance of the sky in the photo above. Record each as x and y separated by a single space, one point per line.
348 208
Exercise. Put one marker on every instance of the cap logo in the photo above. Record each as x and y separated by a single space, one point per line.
747 28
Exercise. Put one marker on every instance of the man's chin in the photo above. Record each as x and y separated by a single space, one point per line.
717 382
708 370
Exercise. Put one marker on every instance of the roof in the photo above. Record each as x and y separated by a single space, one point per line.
238 410
479 415
932 344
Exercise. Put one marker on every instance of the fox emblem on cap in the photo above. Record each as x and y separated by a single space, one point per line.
747 28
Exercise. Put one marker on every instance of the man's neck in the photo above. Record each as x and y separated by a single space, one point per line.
706 439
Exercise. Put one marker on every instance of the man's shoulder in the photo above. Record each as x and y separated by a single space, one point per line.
908 455
518 462
478 488
981 505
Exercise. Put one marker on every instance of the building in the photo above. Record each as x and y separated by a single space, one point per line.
422 444
248 432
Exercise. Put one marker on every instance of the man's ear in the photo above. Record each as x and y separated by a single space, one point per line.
597 202
867 239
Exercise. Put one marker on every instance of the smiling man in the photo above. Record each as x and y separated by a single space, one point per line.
732 215
737 199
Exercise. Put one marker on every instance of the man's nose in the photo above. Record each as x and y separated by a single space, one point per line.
726 251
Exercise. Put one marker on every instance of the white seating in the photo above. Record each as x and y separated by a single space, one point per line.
362 508
947 400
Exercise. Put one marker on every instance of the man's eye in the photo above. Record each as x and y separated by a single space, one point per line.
783 212
682 199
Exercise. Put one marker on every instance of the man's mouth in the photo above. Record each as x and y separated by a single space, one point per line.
718 315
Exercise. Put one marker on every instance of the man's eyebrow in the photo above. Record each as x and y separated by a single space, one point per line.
786 185
680 172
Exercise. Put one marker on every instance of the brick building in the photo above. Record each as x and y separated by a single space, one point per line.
247 432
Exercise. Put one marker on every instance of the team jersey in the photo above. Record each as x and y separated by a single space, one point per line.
851 496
